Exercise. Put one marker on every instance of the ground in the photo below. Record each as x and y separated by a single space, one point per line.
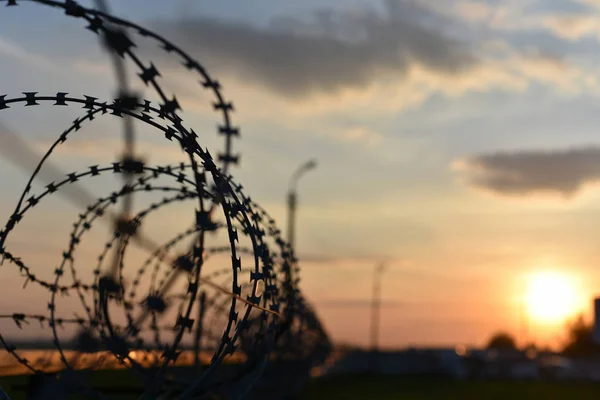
393 388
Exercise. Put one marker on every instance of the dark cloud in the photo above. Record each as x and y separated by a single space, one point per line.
335 50
521 173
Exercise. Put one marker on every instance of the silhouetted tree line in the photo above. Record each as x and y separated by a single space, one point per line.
579 343
502 341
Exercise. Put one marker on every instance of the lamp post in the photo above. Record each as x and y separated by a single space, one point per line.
523 316
292 198
375 312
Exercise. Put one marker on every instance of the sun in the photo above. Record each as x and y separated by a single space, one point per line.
551 297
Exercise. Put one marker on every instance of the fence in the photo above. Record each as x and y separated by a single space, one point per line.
243 330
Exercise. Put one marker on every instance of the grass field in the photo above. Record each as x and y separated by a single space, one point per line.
12 385
386 388
395 388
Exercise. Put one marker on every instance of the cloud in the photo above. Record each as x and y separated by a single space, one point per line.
575 24
501 68
328 260
365 62
58 65
523 173
474 11
361 135
573 27
16 51
354 303
105 149
336 50
592 3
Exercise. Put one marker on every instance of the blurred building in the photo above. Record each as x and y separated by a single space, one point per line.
472 364
429 362
596 331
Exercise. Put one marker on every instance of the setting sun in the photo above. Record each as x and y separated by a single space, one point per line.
551 297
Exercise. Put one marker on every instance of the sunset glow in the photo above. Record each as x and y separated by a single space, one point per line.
551 297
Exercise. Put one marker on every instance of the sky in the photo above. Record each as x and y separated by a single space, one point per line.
456 142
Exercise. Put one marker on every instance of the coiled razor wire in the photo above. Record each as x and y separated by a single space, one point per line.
244 322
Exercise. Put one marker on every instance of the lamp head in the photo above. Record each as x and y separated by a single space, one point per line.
310 164
300 171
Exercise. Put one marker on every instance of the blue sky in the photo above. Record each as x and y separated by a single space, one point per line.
457 140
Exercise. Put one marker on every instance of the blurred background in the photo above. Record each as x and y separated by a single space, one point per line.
453 198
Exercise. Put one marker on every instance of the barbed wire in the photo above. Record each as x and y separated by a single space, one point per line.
242 319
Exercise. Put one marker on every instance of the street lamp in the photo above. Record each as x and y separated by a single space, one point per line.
375 311
523 316
292 198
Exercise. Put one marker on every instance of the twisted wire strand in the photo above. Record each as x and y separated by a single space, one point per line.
259 320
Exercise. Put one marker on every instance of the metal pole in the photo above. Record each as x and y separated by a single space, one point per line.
375 314
293 199
524 318
523 322
291 218
199 328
